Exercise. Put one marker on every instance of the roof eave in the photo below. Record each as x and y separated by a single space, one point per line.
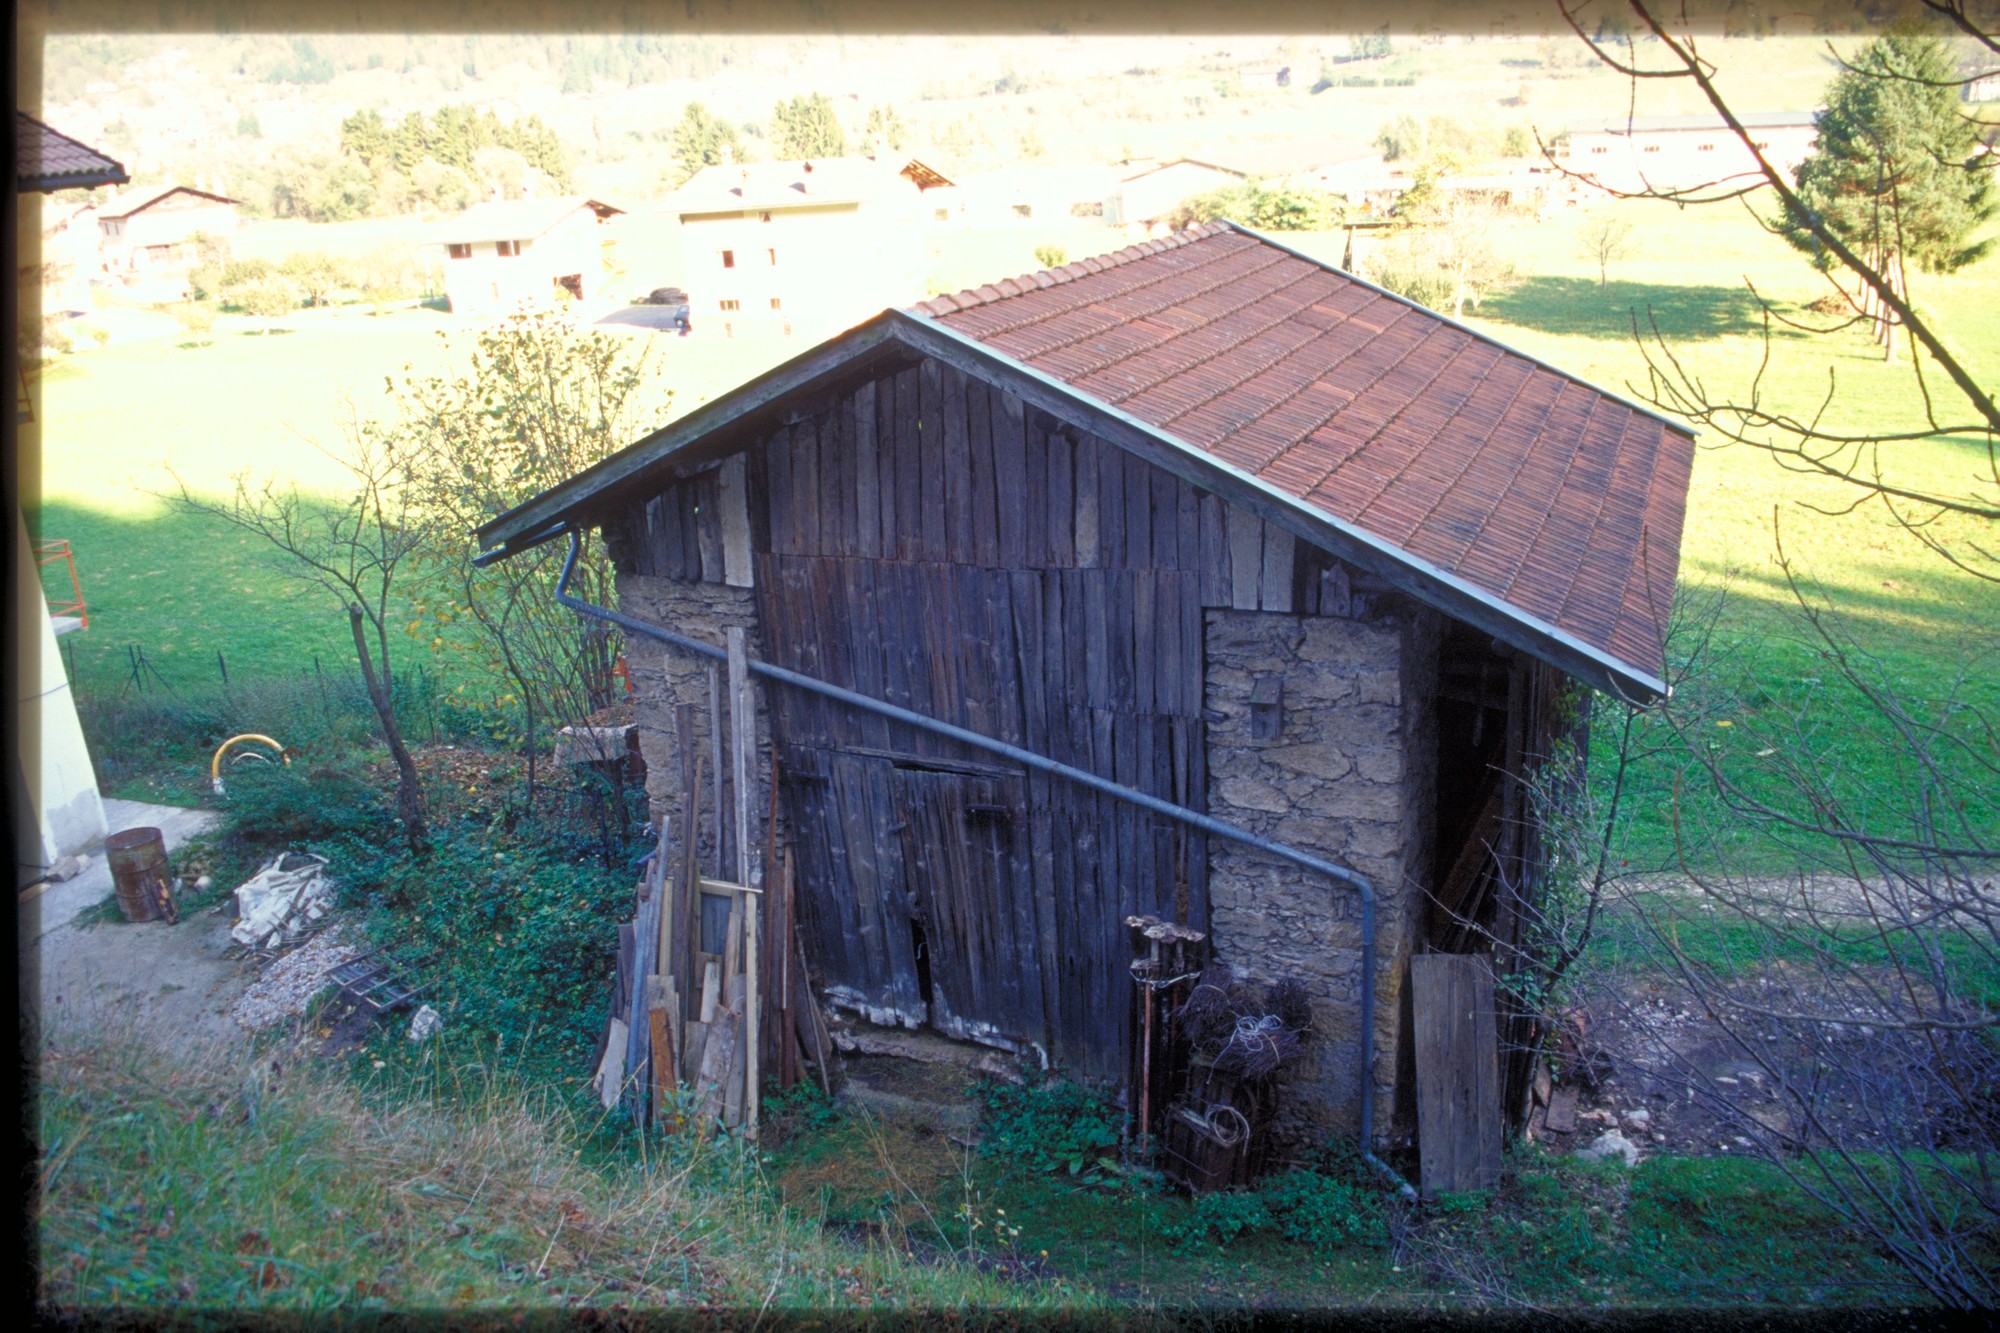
577 500
565 504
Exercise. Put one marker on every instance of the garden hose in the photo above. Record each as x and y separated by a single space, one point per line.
215 764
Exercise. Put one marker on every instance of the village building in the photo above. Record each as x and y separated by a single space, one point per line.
1235 536
1633 154
1153 190
151 236
508 254
1982 86
802 248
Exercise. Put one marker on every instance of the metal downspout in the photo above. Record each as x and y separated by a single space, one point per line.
1042 763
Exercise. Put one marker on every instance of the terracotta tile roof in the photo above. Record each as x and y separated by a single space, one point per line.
45 159
1544 493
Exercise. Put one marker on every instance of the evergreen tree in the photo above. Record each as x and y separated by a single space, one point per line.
884 124
806 127
1897 172
700 138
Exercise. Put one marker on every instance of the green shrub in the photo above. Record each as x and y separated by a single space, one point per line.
525 940
1320 1210
1050 1126
285 807
1051 256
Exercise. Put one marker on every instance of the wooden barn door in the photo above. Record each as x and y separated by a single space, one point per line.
972 898
853 903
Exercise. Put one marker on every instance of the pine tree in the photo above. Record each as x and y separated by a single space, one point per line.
1896 173
700 138
806 127
884 124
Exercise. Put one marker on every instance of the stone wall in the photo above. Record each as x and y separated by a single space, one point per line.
664 677
1351 776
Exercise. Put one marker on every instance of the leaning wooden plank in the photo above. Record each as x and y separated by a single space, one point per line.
1458 1072
611 1072
716 1065
742 744
733 1098
711 990
752 1030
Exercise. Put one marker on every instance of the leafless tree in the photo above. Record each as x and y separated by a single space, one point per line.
354 548
1859 1006
1606 237
1868 283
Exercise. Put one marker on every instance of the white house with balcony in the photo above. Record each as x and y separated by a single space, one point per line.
1634 154
802 248
511 253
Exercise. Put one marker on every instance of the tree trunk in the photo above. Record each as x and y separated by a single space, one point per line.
409 790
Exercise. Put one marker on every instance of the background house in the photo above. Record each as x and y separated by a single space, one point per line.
802 247
147 237
1343 167
508 253
1683 152
1205 518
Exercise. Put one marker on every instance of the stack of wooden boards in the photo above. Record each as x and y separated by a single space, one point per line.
704 1006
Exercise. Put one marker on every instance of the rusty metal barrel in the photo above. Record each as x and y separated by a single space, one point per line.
140 874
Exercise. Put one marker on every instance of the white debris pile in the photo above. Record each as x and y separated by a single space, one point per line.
427 1023
280 902
286 986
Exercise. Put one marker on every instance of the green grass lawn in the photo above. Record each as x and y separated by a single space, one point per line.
115 419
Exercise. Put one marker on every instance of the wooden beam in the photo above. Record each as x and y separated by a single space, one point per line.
732 498
1458 1072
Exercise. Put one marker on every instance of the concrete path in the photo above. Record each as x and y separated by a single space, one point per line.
166 981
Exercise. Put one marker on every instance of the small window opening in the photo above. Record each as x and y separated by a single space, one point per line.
729 259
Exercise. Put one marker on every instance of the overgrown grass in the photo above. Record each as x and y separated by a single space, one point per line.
265 1183
1556 1234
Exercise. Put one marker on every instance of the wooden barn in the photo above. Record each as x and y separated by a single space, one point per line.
1205 518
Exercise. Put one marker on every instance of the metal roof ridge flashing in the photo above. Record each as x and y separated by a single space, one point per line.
1486 338
1614 665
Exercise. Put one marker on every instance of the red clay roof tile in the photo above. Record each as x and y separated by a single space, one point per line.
1544 493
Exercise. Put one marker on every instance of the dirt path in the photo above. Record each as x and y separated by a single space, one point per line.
170 982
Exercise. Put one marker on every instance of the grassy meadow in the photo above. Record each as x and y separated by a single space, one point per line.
116 419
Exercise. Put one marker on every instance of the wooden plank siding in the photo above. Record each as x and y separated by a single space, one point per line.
925 538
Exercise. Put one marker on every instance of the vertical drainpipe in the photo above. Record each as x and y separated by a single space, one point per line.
1340 875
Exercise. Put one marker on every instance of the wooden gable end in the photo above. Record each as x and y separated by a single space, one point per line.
923 537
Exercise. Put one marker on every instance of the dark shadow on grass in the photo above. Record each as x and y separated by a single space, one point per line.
1576 306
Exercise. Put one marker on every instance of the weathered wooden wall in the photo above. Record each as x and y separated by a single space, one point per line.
922 538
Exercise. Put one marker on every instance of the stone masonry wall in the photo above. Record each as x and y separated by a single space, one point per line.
1351 776
664 677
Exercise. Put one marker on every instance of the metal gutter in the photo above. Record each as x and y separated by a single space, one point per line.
1042 763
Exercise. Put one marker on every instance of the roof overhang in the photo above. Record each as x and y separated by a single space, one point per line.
731 423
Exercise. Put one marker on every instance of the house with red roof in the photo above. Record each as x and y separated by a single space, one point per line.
151 234
1201 586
